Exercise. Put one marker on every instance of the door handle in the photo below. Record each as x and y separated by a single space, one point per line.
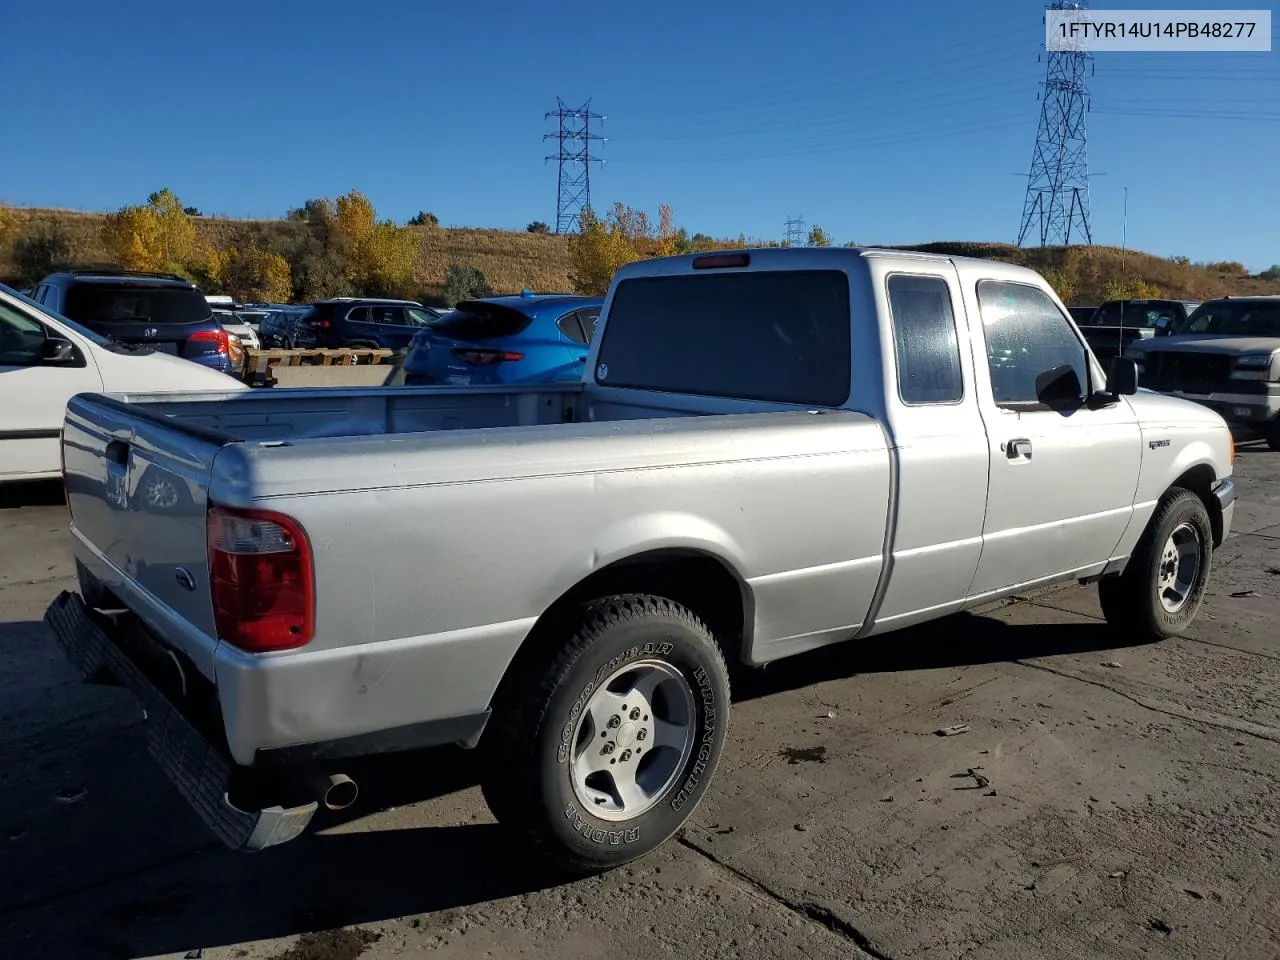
583 358
1019 449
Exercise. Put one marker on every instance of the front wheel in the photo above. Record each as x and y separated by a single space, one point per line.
600 756
1161 589
1273 435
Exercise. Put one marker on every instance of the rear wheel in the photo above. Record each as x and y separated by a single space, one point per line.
1161 589
599 755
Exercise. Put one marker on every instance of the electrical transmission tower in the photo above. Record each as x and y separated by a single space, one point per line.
795 235
573 194
1057 203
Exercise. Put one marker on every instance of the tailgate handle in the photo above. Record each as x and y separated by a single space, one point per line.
118 452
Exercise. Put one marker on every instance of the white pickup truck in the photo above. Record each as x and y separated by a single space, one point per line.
772 450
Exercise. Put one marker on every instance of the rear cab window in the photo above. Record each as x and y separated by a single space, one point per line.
136 303
780 336
1159 314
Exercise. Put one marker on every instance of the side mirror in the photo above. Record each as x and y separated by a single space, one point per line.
57 351
1122 377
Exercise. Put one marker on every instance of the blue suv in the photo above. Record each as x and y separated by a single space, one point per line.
524 339
158 311
346 322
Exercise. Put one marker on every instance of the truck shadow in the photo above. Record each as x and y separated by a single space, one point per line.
150 880
31 493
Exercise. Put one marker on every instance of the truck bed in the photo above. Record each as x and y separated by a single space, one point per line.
275 415
443 522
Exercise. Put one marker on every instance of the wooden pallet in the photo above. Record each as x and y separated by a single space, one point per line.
259 363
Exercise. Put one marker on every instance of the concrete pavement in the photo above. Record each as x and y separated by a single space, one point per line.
1105 802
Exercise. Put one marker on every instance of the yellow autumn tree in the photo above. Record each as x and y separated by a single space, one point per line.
157 235
8 224
623 235
251 275
377 256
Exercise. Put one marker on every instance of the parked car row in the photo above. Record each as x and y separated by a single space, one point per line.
1117 323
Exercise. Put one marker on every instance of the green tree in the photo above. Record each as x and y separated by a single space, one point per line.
537 227
819 237
465 283
1271 273
39 254
424 219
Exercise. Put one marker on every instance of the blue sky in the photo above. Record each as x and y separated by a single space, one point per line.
884 123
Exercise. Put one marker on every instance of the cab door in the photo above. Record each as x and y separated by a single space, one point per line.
1063 470
40 370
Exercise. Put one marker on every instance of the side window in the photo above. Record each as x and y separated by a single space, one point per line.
358 315
21 339
588 317
571 328
1033 354
924 340
387 315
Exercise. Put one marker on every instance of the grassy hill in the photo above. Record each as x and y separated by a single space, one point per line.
512 261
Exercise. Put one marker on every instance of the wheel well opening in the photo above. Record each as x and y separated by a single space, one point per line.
1199 480
695 580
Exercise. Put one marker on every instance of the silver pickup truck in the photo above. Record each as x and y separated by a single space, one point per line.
772 450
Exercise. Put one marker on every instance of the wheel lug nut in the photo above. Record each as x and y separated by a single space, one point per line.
635 713
642 734
608 748
626 755
615 721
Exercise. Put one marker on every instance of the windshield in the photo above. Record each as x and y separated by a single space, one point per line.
1235 318
65 321
1137 313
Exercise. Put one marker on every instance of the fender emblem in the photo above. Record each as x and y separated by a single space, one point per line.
1158 443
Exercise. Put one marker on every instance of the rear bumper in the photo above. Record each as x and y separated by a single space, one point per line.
198 767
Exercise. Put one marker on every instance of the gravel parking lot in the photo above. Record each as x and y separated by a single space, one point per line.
1104 802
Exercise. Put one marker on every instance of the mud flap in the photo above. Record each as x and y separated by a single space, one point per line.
199 769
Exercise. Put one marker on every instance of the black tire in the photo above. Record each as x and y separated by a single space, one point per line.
1132 602
538 725
1273 436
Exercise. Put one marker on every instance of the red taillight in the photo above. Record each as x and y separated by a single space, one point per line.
261 580
485 358
217 337
321 325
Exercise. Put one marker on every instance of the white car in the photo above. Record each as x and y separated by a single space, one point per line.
46 359
236 326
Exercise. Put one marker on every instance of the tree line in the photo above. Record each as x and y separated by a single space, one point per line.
324 248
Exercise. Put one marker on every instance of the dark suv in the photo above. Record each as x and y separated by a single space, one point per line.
161 311
347 322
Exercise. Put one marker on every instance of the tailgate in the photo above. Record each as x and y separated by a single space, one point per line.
137 491
168 338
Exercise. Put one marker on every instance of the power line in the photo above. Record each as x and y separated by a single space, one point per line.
573 187
1057 197
795 235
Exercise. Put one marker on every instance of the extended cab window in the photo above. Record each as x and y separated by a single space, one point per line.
924 340
779 336
1034 356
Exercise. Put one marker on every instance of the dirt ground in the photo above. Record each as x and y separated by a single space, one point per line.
1104 802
